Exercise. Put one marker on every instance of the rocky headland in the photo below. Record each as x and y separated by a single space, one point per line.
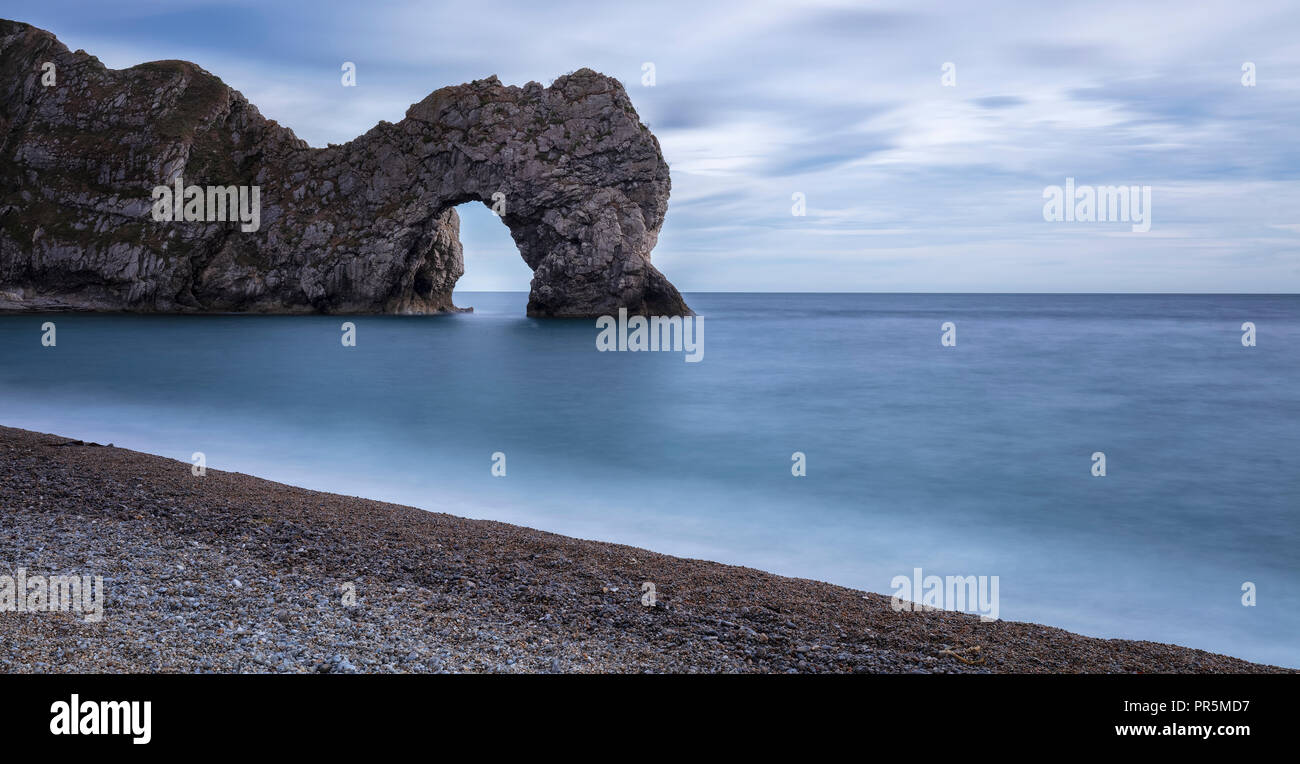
365 227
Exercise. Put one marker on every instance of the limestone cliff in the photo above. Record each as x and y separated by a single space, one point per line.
367 226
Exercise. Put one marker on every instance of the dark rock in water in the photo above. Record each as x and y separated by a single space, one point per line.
367 226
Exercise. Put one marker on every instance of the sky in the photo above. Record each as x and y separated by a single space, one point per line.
909 182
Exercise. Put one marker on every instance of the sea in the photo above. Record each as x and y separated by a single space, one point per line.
849 438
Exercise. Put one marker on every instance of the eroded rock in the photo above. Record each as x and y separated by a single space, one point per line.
367 226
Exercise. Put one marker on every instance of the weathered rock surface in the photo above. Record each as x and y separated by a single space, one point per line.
367 226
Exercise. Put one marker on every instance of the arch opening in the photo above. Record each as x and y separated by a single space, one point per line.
493 260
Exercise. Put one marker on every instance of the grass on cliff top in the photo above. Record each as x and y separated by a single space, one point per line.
202 93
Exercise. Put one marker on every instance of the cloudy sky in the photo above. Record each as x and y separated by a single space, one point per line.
910 185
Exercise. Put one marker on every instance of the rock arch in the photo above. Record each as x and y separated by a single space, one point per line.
366 226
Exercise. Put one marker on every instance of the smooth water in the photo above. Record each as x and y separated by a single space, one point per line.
966 460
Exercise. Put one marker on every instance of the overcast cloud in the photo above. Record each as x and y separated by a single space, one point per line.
909 185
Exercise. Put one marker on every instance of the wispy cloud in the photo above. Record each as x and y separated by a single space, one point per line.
908 184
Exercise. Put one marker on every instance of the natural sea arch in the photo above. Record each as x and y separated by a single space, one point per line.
363 227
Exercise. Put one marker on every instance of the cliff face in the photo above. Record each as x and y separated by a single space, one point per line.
367 226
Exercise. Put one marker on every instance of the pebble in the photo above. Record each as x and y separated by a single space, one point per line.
439 594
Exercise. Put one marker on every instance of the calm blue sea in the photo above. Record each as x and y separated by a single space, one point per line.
965 460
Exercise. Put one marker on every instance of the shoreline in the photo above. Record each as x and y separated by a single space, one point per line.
232 573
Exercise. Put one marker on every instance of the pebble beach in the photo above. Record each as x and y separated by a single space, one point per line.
230 573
